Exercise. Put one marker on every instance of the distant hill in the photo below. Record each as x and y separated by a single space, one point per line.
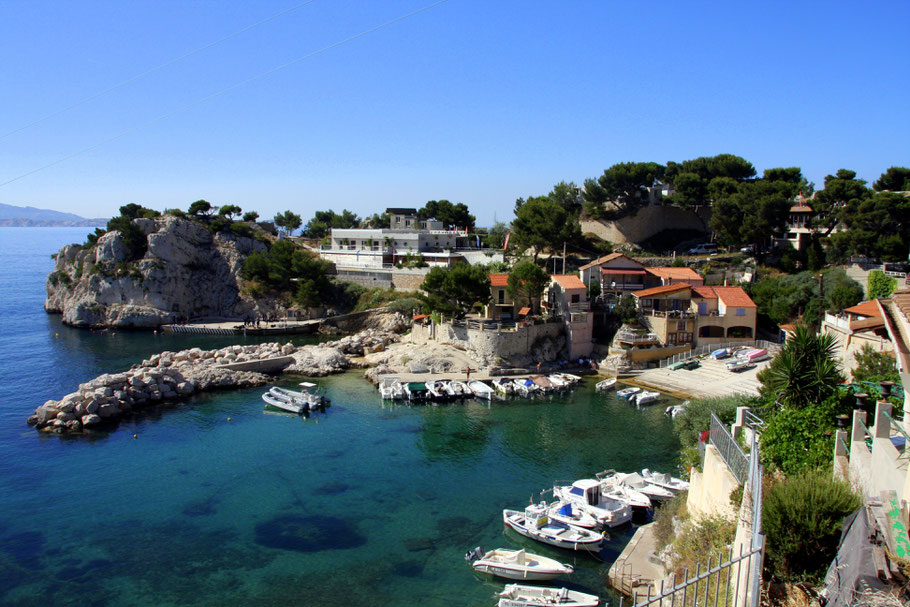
31 217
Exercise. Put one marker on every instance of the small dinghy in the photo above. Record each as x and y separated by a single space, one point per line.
516 564
460 389
572 379
285 404
296 401
739 365
515 595
565 513
535 524
627 393
480 389
721 353
645 398
607 384
524 387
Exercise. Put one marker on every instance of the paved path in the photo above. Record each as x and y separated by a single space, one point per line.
710 379
638 566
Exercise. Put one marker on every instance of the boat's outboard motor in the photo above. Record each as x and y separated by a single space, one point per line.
473 555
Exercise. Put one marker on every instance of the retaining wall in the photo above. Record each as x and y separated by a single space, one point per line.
649 221
709 490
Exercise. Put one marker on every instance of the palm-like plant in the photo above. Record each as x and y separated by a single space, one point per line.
806 370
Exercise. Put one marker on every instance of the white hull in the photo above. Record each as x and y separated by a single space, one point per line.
480 389
553 533
518 565
646 398
515 595
607 384
284 405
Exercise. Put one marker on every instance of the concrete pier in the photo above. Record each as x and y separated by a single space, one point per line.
638 570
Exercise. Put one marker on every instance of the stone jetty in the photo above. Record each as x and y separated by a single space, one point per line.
170 376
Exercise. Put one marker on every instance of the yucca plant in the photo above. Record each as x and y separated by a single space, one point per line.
806 370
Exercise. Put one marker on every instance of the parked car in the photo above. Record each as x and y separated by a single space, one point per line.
703 249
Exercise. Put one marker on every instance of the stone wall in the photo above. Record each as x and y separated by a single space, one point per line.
529 344
649 221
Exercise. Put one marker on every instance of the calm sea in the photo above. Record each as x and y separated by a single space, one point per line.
370 504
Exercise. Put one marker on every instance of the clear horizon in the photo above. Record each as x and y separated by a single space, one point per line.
479 104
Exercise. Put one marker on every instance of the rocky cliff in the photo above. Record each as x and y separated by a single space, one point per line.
185 272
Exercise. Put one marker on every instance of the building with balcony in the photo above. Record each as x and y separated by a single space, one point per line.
502 306
855 328
408 240
617 274
680 314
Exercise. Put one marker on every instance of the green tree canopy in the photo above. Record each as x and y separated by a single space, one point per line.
457 289
880 285
324 221
288 268
757 211
625 184
496 235
288 221
229 210
709 167
200 207
691 190
527 281
451 215
878 226
377 220
566 195
540 223
895 179
250 216
873 366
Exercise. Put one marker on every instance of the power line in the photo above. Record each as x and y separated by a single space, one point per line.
154 69
226 90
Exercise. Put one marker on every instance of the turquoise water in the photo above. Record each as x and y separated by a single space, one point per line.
369 504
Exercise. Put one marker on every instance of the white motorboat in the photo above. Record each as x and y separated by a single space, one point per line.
586 494
285 404
563 512
543 384
611 485
480 389
524 387
516 564
558 382
607 384
639 483
314 393
665 480
390 388
503 386
739 365
572 379
308 401
515 595
645 398
448 389
535 524
628 393
460 389
435 390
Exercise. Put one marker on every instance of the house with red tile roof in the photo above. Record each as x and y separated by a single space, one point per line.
617 274
567 296
501 306
683 314
855 328
677 275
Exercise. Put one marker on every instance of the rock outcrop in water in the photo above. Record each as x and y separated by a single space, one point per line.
185 271
170 376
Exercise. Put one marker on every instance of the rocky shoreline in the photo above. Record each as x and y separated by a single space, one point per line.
171 376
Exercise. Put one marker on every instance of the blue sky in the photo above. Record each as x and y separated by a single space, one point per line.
475 102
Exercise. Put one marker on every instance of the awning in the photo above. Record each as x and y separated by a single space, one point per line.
524 311
623 272
420 316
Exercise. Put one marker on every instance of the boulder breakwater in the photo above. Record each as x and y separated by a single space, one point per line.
171 376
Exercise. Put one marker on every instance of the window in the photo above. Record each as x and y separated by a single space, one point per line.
575 298
740 311
502 296
681 325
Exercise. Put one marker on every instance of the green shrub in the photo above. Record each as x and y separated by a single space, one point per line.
241 229
219 224
873 366
802 440
696 418
175 213
664 528
406 305
699 540
802 520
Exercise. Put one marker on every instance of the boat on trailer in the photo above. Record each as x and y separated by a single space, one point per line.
516 595
516 564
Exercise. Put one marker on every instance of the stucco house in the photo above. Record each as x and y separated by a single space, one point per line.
617 274
502 306
679 314
567 296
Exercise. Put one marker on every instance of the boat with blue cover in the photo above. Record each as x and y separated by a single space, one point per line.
535 524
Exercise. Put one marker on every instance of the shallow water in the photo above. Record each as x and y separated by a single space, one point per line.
368 504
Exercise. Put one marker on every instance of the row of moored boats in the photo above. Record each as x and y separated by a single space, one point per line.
392 388
576 519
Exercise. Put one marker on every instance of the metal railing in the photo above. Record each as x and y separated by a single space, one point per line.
729 449
636 337
733 581
754 422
